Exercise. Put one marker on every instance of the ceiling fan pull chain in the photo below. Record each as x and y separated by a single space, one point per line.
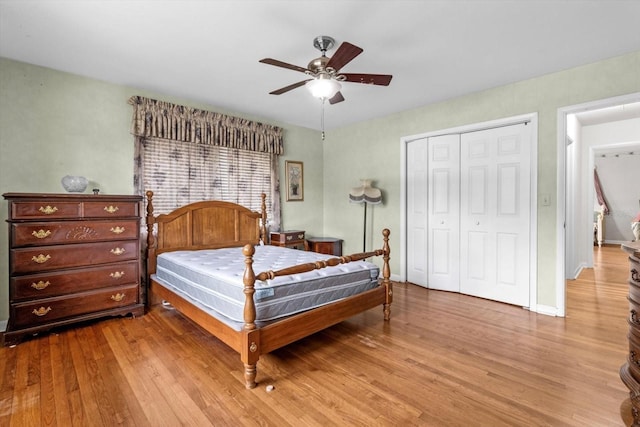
322 119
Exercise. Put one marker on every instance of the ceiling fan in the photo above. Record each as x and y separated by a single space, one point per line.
325 72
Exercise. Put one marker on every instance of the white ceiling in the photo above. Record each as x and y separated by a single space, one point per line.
208 51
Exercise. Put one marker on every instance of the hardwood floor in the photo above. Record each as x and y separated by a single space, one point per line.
444 359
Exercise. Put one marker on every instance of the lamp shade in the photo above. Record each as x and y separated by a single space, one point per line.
323 87
366 193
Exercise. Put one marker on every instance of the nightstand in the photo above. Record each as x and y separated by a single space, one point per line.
291 239
325 245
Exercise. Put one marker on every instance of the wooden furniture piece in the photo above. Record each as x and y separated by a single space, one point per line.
72 257
598 227
216 224
325 245
293 239
630 371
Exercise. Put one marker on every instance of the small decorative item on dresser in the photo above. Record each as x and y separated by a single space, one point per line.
74 184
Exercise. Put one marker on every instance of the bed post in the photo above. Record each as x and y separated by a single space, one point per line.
250 352
386 273
151 248
263 223
151 241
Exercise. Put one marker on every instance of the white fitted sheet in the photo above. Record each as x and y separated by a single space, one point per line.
213 278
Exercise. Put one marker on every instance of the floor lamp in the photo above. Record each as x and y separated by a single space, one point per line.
367 195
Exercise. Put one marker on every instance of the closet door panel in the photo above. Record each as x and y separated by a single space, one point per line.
417 215
495 194
444 213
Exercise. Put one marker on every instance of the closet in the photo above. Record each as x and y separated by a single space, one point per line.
469 212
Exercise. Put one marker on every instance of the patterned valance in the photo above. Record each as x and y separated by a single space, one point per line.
159 119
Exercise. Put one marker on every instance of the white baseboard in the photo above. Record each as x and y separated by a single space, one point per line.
546 310
615 242
3 325
577 271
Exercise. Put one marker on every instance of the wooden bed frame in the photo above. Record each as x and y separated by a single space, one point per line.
217 224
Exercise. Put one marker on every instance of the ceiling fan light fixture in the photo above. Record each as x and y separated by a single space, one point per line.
323 87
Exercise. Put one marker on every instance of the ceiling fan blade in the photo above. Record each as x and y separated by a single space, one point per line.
288 88
336 98
345 53
277 63
370 79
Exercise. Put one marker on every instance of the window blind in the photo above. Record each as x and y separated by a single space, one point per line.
179 173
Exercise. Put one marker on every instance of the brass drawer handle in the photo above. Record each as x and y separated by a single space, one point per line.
300 236
41 259
111 209
117 297
40 285
41 234
289 237
117 230
634 275
48 210
117 251
41 311
117 275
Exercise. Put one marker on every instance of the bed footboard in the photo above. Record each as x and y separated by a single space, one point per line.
304 324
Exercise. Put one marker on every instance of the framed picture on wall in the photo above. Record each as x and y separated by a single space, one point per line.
294 181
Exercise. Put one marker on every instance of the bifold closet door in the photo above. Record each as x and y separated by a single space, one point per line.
433 211
495 214
417 169
443 247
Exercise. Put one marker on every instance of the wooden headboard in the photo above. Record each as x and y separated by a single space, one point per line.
209 224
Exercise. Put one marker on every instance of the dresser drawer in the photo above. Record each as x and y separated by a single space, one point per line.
59 208
45 209
73 281
634 356
633 320
634 294
111 209
46 258
49 309
634 272
51 233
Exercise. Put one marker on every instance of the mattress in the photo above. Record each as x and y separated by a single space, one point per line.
213 279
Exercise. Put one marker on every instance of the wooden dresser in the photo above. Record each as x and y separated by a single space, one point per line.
72 257
630 371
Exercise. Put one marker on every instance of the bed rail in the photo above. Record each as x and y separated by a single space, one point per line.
250 276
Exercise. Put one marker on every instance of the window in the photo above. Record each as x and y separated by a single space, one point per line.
179 173
185 154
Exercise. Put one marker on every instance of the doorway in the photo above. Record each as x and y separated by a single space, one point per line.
574 202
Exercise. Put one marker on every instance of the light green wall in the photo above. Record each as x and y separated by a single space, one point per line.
54 123
376 146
